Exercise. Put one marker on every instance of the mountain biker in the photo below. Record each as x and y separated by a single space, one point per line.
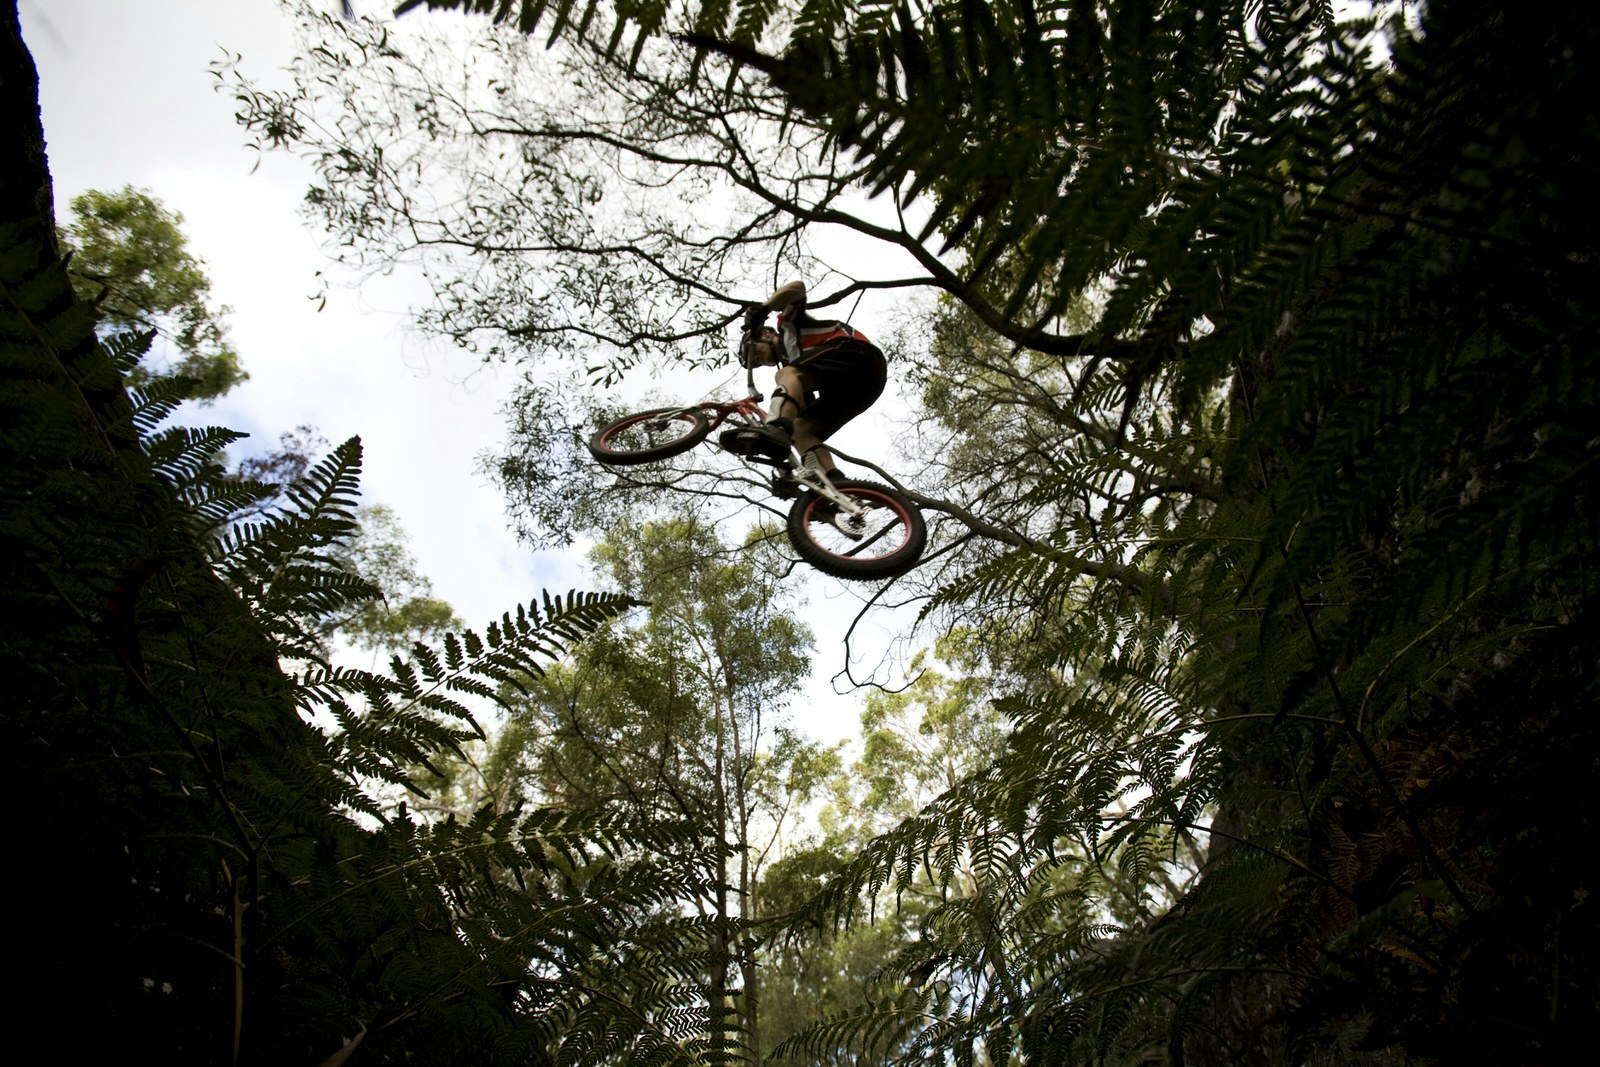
828 373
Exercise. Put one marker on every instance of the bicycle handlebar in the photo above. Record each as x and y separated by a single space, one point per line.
750 379
755 316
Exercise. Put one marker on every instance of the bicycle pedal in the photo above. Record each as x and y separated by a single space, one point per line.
784 487
740 442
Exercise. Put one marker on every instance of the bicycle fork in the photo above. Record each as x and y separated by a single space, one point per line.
848 517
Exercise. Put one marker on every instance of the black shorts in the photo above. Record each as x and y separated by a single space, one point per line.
843 382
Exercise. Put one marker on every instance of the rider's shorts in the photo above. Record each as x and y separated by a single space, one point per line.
846 379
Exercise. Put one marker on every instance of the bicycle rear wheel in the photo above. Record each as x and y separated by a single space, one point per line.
887 540
649 436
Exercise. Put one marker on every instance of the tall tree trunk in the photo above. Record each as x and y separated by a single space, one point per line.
25 190
721 996
747 955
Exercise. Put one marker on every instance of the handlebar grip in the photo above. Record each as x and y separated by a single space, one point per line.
754 316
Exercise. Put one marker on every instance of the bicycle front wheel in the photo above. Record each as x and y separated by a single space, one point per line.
649 436
886 540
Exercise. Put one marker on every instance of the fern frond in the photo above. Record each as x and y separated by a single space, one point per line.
180 453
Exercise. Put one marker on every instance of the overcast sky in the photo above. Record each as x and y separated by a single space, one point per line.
127 98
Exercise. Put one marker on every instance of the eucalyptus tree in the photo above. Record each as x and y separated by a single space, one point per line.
131 259
1298 519
680 717
923 740
589 219
915 744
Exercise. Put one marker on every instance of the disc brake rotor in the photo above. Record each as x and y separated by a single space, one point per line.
852 526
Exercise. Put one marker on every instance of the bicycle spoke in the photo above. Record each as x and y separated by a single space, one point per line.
868 543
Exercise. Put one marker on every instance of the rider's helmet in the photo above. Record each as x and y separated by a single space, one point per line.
754 316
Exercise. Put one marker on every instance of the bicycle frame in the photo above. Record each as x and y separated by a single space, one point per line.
719 411
748 409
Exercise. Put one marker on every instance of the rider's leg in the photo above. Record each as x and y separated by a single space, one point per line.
807 443
846 383
787 403
788 400
784 408
793 384
788 395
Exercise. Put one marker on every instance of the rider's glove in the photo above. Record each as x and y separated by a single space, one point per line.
754 349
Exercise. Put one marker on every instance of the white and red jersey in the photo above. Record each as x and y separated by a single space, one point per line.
805 337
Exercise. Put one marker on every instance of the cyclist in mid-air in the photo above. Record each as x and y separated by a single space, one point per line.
828 373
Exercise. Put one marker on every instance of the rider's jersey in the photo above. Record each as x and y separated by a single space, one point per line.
804 338
844 368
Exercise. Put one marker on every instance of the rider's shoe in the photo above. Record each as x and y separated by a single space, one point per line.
774 440
740 440
756 440
811 463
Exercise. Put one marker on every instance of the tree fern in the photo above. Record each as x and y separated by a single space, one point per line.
246 889
1303 506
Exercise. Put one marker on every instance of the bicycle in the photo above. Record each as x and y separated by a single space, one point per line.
853 529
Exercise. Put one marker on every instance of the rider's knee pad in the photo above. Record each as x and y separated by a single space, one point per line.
780 395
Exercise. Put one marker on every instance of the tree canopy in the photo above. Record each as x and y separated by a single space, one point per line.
131 259
1260 397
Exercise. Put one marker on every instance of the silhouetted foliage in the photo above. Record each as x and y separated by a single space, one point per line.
1287 549
1306 560
217 862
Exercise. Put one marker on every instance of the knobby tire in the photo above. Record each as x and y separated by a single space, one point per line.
891 544
634 439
